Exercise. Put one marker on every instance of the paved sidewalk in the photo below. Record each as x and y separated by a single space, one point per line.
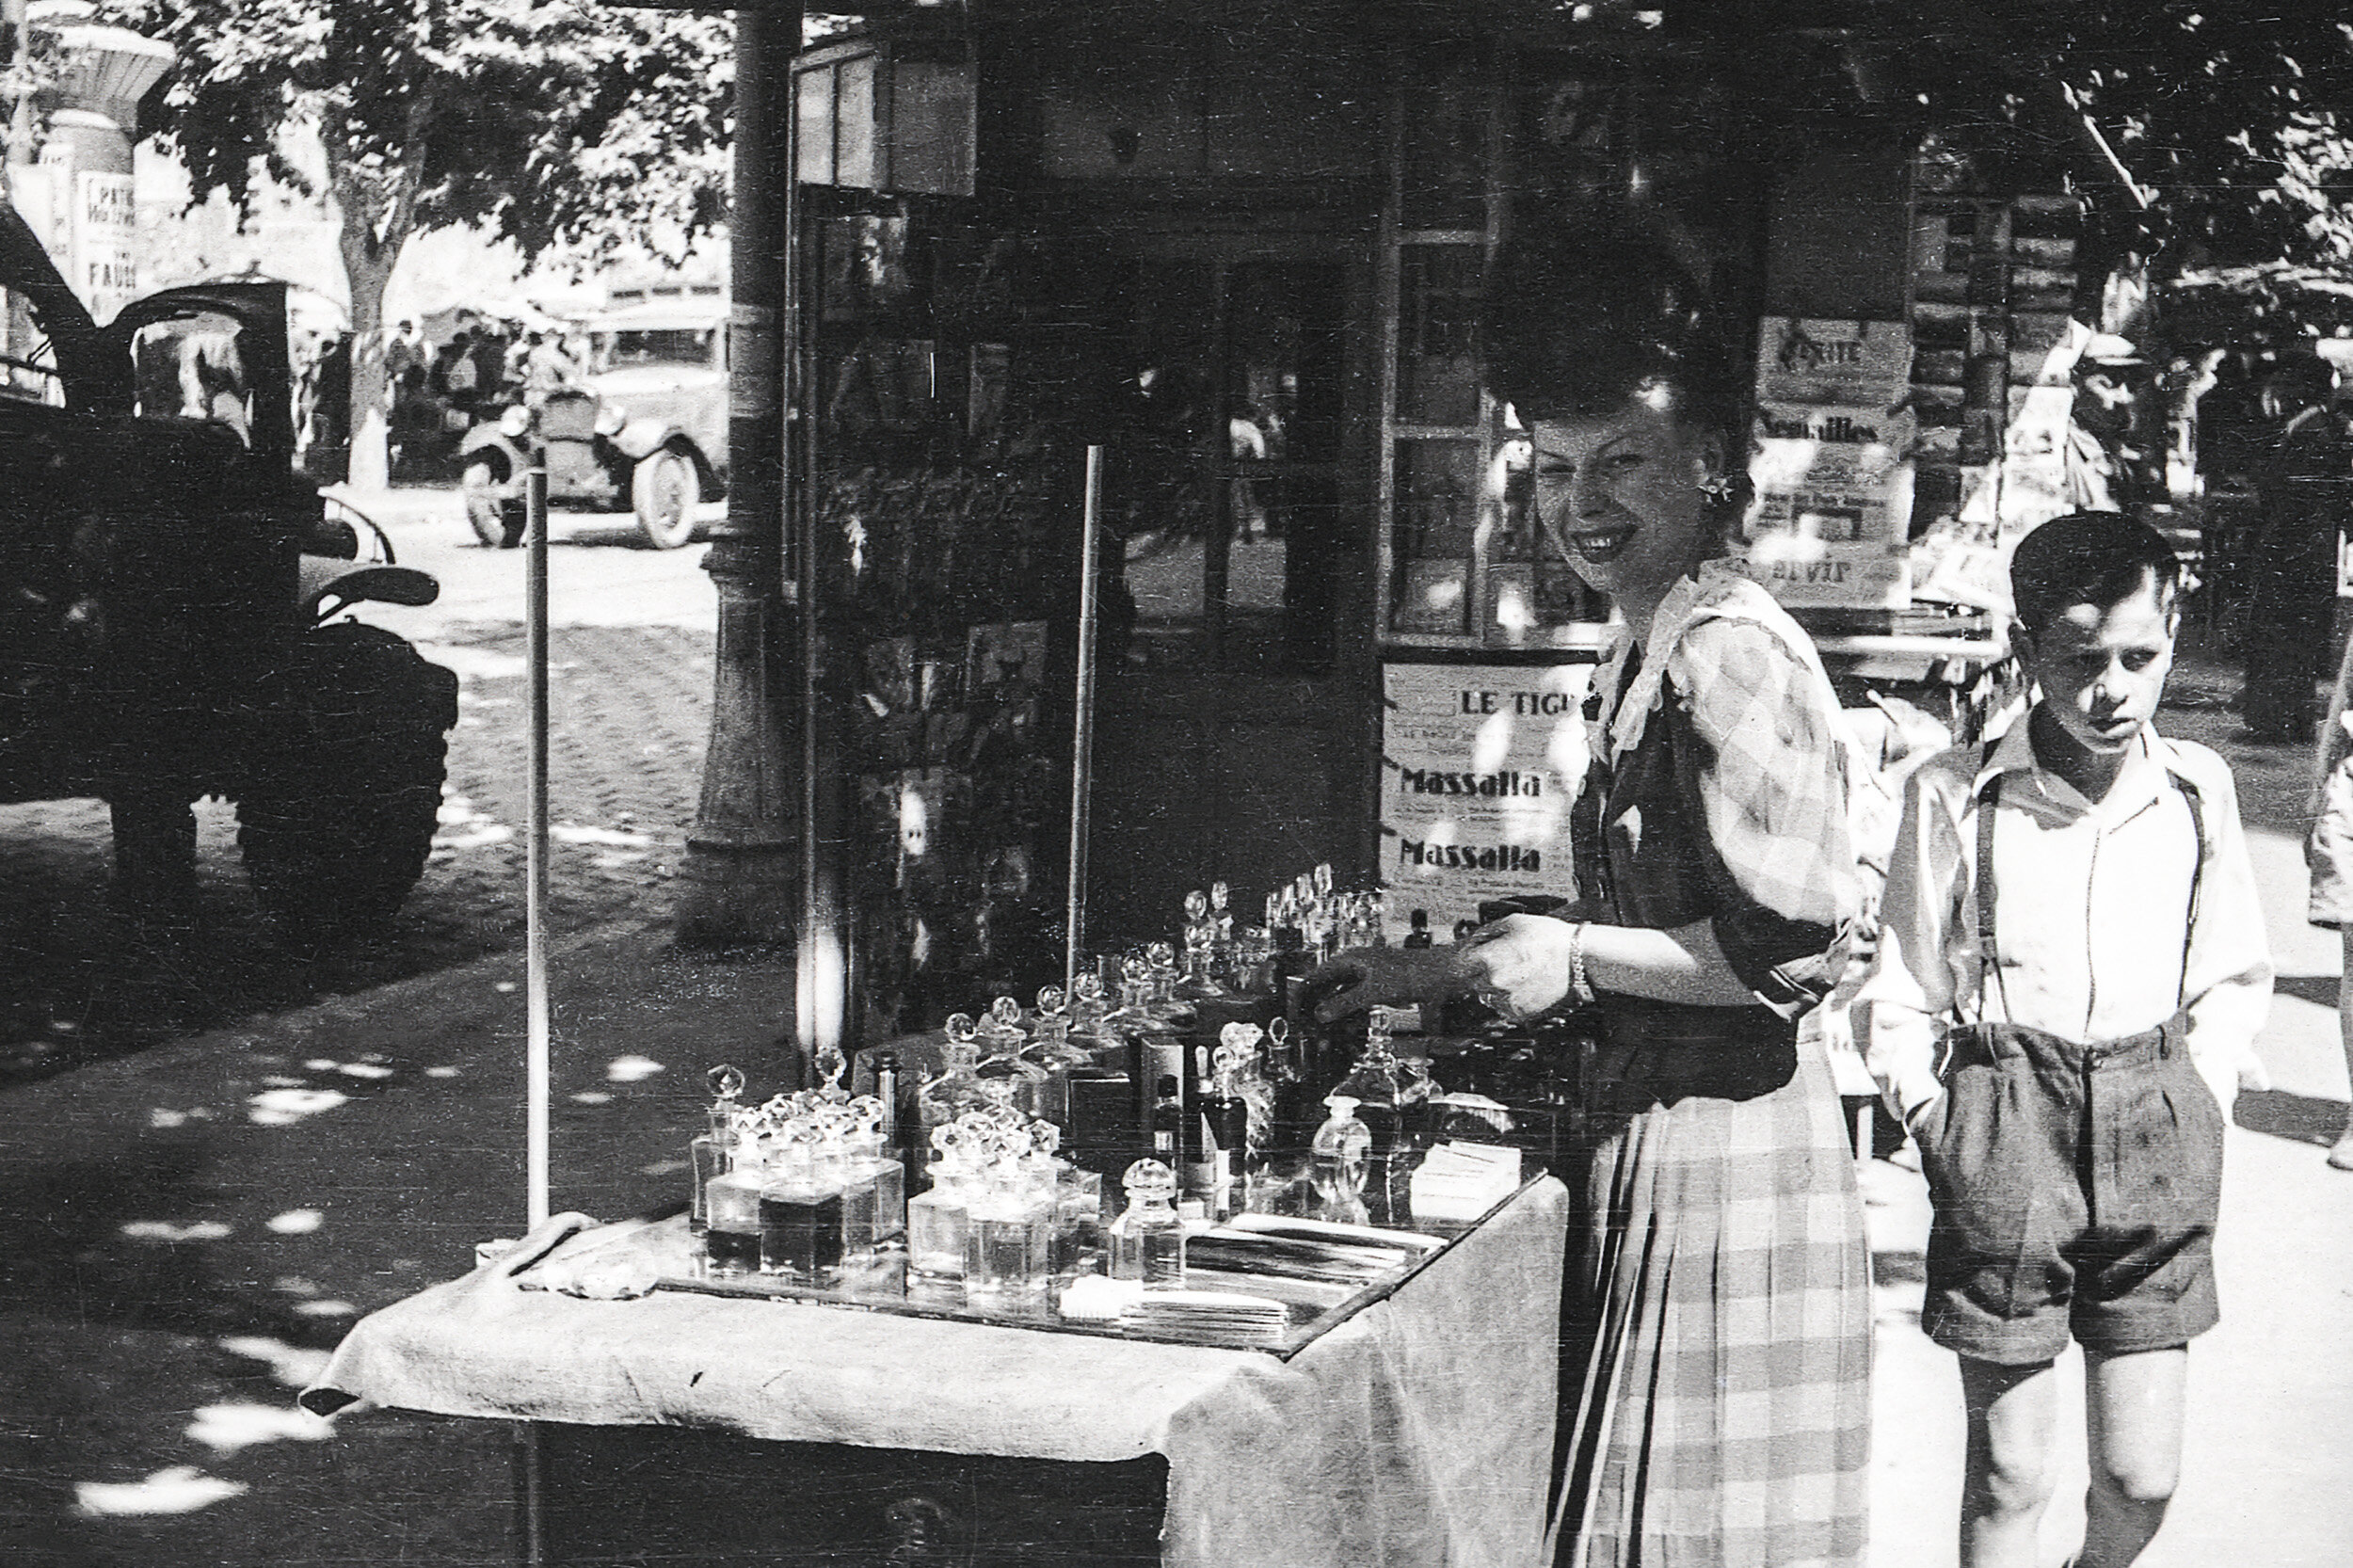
194 1226
197 1226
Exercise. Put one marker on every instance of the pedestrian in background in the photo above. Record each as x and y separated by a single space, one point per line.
2328 851
2071 974
2292 557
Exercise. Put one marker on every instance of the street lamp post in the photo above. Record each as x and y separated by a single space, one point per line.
742 876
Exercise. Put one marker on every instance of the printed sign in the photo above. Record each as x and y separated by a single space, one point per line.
1478 763
105 240
1834 504
1851 363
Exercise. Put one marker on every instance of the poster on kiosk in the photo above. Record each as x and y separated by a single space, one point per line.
1830 463
1478 765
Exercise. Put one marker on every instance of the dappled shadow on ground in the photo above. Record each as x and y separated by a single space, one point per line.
2298 1118
629 726
2319 989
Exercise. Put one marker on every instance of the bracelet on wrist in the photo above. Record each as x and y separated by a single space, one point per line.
1580 988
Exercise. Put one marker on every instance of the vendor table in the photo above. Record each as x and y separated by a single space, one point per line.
1417 1430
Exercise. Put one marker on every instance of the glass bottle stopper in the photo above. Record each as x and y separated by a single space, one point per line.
1149 1179
726 1084
1051 1004
961 1029
1005 1013
1220 896
1323 876
831 1065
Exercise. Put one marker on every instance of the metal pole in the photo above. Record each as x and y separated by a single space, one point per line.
536 1049
1083 721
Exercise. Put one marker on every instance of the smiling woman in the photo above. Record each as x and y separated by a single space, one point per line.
1716 1338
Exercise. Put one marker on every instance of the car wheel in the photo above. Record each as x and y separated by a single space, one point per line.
664 489
497 519
336 815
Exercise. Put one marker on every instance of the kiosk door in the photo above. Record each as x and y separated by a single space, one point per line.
1232 712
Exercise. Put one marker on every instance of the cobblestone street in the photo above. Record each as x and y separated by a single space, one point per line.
629 706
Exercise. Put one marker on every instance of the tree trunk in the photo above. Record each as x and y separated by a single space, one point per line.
374 232
371 397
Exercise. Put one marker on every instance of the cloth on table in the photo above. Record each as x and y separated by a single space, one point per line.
1418 1432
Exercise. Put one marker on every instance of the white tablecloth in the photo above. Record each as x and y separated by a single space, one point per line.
1417 1433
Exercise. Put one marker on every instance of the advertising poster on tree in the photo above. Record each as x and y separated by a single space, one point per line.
1478 763
105 240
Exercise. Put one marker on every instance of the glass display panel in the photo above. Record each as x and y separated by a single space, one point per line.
1444 133
1437 371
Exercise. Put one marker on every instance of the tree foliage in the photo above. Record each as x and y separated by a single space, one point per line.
2236 117
554 121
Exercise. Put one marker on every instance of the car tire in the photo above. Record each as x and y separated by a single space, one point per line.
663 490
338 805
497 519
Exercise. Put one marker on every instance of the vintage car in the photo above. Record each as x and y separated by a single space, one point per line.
647 428
171 610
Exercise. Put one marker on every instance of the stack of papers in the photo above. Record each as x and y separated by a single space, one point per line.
1206 1317
1461 1181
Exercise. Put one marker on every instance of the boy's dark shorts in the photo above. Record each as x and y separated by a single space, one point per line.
2075 1188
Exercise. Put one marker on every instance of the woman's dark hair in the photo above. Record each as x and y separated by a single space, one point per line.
2096 558
1586 311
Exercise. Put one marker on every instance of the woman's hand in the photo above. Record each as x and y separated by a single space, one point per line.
1520 965
1382 976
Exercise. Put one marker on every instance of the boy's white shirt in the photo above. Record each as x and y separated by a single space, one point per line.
2090 898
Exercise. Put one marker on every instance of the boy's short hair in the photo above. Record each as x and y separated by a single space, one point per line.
2098 558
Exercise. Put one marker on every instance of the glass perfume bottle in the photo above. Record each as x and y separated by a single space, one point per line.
1002 1043
1341 1148
1148 1240
873 1183
1419 936
1221 934
1157 1048
1196 984
1226 1114
800 1213
732 1202
1377 1085
710 1151
1168 1121
1051 1049
1078 1223
1161 974
935 1219
1197 1149
957 1088
1009 1235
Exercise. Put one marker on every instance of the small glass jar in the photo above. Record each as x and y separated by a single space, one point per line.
732 1214
1008 1239
936 1227
1148 1240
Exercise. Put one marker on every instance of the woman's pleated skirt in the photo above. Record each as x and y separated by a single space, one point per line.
1716 1375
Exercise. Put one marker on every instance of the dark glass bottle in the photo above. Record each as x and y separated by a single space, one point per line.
1168 1119
1419 936
1199 1148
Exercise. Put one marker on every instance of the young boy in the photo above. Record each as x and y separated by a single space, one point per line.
2071 974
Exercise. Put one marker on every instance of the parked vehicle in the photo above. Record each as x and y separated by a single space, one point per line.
647 430
173 600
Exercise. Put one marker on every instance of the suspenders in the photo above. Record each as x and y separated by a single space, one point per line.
1989 805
